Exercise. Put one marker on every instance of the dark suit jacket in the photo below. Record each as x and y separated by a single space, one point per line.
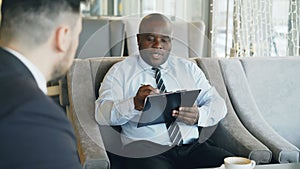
34 131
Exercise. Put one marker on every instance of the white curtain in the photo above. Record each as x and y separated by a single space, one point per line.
257 31
252 33
293 28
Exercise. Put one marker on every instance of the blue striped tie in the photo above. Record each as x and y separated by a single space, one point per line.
173 128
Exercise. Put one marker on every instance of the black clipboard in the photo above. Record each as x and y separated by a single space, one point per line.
158 108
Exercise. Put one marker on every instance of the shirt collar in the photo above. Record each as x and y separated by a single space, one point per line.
37 74
146 66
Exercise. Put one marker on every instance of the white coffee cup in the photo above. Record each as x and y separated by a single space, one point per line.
238 163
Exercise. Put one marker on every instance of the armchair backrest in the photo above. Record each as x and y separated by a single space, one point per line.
188 39
274 83
101 37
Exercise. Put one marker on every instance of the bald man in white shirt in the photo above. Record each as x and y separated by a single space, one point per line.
121 101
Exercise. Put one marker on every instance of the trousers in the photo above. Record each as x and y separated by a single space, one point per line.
189 156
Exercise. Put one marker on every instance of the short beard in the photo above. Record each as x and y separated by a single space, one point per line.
57 73
60 69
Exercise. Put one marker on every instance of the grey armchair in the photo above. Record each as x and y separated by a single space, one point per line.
84 79
265 94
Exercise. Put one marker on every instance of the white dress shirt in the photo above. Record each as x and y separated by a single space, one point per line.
115 104
37 74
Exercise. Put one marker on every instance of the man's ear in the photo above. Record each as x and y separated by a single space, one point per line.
63 38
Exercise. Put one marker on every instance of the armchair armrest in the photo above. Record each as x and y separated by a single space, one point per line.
234 137
91 149
92 155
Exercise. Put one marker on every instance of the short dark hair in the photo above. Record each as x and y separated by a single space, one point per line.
37 4
33 19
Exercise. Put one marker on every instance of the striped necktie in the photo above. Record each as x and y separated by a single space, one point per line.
159 82
173 128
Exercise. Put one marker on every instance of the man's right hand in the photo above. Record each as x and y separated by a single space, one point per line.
143 92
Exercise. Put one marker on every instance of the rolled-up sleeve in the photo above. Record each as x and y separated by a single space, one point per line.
213 110
211 105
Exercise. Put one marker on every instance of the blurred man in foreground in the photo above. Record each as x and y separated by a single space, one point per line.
38 40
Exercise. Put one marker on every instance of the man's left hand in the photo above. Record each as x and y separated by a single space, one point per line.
188 115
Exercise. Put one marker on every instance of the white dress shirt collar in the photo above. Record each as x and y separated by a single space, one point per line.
37 74
146 66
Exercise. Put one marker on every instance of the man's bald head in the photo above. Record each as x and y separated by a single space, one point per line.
152 22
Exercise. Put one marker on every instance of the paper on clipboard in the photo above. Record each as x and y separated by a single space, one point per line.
158 108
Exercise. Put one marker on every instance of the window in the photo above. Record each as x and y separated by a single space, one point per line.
233 27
